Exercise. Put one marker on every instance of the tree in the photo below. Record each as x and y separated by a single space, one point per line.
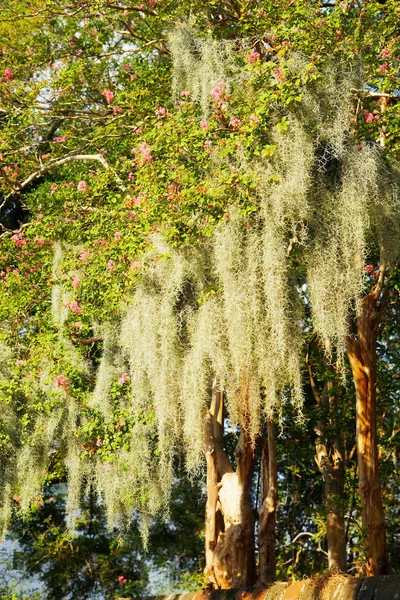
212 173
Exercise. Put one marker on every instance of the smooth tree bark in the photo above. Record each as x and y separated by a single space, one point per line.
230 556
329 458
361 350
268 508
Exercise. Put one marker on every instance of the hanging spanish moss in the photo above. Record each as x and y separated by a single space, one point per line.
229 308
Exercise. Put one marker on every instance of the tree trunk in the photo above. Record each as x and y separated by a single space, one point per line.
363 361
330 464
329 458
230 559
268 506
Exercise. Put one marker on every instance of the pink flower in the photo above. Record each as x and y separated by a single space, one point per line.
135 265
44 156
285 44
117 236
74 306
369 268
40 242
39 217
59 139
84 256
161 111
110 264
60 381
95 32
17 498
383 67
98 443
235 123
82 186
203 124
386 53
184 93
279 75
253 57
19 239
219 93
253 119
8 74
52 499
139 198
172 189
123 378
121 578
368 117
19 362
53 188
117 110
75 282
138 130
126 67
133 77
108 95
143 153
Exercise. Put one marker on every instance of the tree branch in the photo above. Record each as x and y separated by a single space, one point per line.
60 163
376 94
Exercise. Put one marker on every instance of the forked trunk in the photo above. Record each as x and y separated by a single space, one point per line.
363 361
268 506
230 560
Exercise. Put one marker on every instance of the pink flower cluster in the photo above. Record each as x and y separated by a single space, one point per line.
235 123
59 139
383 67
161 111
123 379
60 381
142 153
121 579
19 239
108 95
8 74
117 236
386 53
368 117
74 306
253 57
279 75
203 124
84 256
110 265
184 93
370 269
172 189
82 186
75 282
219 93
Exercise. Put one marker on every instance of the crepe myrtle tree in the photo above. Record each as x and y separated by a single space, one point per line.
154 242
